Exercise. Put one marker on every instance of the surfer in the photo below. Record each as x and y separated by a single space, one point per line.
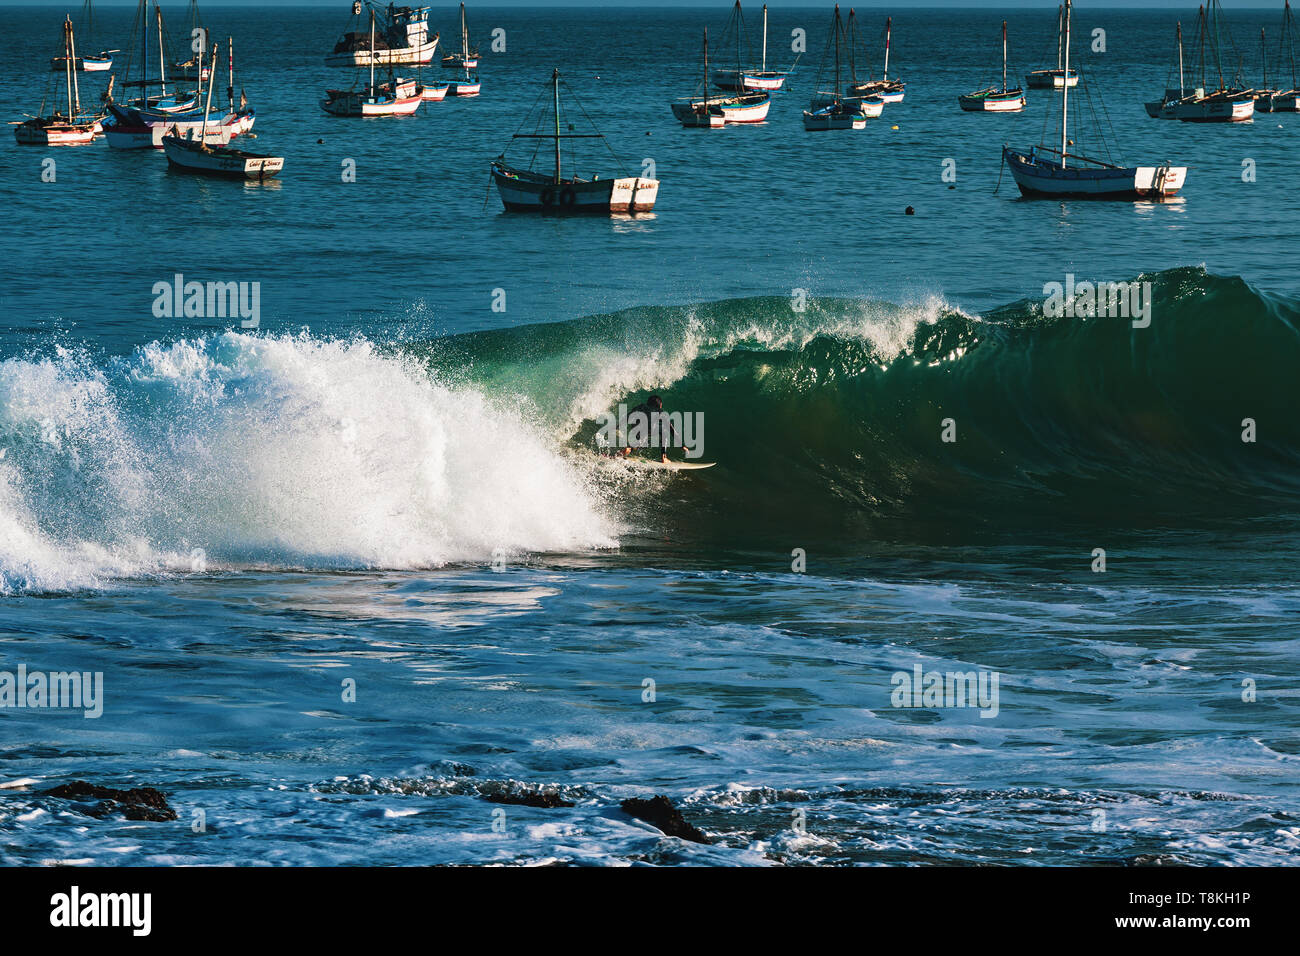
656 424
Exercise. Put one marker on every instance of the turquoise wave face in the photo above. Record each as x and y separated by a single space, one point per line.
860 412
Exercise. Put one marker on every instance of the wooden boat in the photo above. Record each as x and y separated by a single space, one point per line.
1046 171
700 114
527 190
404 40
395 98
829 110
1284 101
70 128
194 155
434 92
995 99
740 80
856 95
469 86
465 59
86 63
1222 104
1163 108
148 109
1057 78
885 89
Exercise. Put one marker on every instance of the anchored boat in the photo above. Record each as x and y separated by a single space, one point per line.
1057 78
527 190
193 154
885 89
395 98
467 61
70 128
86 63
1222 104
829 109
465 58
403 41
748 80
1284 101
1055 172
700 114
995 99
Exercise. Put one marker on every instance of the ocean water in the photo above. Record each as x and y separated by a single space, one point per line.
352 575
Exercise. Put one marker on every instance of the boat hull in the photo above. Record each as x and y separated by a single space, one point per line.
1050 80
699 117
993 101
748 81
1038 177
523 191
222 162
464 87
887 91
347 103
85 64
434 93
744 108
870 107
1212 109
35 133
844 116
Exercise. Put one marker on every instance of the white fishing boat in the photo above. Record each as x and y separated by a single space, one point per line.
748 80
195 155
72 127
464 58
403 41
468 85
884 89
700 114
395 98
1222 103
86 62
1056 172
1057 78
829 110
552 192
995 99
1288 100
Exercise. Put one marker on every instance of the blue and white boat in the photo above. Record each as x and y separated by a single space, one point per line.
1049 171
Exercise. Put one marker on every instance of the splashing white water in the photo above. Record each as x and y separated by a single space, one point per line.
245 451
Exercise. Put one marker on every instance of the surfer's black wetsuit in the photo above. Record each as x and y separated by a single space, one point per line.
656 429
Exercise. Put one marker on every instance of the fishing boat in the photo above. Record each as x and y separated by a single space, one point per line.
469 85
1056 172
995 99
1284 101
1223 103
1163 108
465 58
748 80
552 192
403 41
85 62
196 34
869 104
829 110
193 154
395 98
1057 78
152 106
885 89
70 128
700 114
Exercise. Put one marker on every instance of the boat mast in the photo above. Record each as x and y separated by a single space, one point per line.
889 32
230 73
837 53
1218 61
72 60
144 50
464 42
1004 56
162 61
207 106
68 66
706 72
372 54
740 80
1182 85
555 82
1288 27
1065 85
1263 55
765 38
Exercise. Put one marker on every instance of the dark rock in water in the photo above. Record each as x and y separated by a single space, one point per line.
909 211
546 799
140 803
659 812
